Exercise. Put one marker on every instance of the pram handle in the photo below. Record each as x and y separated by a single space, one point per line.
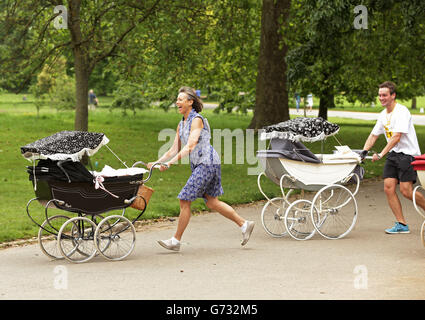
150 170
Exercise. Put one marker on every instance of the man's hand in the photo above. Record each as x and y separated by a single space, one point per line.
376 157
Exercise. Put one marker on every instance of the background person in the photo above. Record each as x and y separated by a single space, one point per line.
309 100
395 121
297 101
93 101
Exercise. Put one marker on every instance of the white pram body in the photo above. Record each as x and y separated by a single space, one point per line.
333 210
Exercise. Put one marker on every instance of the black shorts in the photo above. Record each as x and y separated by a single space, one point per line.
398 166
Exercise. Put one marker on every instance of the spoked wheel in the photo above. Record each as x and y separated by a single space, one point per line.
272 217
418 189
47 236
335 211
75 239
115 237
423 233
298 221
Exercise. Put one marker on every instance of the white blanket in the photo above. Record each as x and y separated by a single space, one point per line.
108 171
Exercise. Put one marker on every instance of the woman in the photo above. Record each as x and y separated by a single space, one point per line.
193 139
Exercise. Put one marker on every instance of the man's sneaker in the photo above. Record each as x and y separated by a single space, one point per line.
168 244
398 228
247 233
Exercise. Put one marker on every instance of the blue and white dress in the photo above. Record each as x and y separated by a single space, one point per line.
204 163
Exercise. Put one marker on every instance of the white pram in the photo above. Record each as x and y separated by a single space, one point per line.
333 210
419 166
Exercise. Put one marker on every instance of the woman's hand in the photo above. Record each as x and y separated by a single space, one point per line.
149 165
163 168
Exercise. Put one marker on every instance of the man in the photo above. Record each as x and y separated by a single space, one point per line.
402 145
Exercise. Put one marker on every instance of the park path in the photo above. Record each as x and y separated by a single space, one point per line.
366 264
418 119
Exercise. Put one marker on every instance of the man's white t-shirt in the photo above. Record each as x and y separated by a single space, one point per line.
399 120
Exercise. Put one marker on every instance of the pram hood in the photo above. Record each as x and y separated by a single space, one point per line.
294 150
301 129
65 145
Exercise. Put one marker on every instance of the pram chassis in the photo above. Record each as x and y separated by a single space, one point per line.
80 238
418 188
332 212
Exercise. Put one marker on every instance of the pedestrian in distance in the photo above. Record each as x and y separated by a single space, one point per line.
93 101
310 102
297 101
395 122
193 139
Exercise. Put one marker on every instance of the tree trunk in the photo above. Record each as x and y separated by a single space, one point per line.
326 101
413 103
271 105
81 66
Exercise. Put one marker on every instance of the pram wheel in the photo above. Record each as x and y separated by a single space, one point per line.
298 221
272 217
75 239
335 211
115 237
418 209
47 236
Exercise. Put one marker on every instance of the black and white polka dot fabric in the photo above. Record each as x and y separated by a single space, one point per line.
301 129
65 145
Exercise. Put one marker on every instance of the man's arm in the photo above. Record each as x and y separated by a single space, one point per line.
370 141
392 142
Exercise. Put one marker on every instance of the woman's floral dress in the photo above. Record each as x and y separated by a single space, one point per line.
204 162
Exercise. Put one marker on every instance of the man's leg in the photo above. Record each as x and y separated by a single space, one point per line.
390 185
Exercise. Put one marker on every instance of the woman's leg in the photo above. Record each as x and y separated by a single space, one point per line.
184 218
224 209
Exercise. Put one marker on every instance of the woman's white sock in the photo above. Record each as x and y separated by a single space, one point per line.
244 226
174 241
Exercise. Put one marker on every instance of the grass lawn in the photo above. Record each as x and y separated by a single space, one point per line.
133 138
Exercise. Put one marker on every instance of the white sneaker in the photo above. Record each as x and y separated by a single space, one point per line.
168 244
247 233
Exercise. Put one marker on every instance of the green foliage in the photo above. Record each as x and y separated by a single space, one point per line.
104 78
63 93
229 100
129 96
54 87
328 55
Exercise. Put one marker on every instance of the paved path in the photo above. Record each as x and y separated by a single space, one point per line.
367 264
417 118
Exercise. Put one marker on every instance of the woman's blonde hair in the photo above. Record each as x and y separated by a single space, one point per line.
191 95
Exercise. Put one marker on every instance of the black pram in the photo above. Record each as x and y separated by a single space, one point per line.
61 181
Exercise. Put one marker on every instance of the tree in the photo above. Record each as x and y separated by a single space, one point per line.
316 56
330 56
271 104
94 31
